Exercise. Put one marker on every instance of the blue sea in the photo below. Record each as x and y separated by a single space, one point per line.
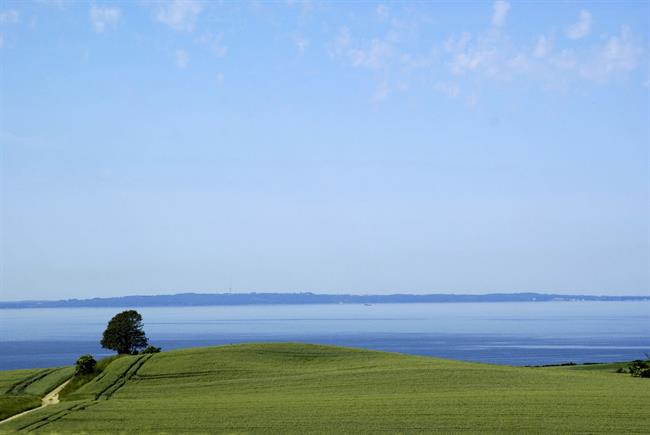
514 333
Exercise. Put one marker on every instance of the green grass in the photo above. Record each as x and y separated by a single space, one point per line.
78 381
21 390
298 388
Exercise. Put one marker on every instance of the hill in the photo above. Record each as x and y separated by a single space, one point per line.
229 299
23 389
298 388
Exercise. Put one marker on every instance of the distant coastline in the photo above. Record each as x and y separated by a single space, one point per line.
230 299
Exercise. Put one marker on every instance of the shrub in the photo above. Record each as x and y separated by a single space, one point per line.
85 365
151 349
639 368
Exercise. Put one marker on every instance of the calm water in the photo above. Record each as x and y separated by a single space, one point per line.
503 333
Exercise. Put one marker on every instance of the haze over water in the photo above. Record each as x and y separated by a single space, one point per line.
502 333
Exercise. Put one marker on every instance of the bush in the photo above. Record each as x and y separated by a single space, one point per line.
151 349
639 368
85 365
81 379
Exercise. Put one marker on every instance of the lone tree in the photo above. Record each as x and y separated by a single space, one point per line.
124 333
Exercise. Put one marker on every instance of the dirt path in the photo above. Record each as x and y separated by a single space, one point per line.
51 398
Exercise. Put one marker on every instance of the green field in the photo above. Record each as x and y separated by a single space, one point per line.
22 389
298 388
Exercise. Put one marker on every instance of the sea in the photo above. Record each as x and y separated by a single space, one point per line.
511 333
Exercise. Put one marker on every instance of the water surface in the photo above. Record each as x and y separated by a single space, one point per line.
516 333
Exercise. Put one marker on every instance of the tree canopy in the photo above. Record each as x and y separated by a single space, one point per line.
85 364
124 333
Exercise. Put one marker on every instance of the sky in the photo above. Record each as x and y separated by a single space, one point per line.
154 147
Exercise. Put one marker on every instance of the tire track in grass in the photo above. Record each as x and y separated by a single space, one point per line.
121 380
20 386
54 417
106 393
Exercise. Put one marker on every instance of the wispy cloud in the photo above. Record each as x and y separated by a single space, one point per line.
374 54
619 54
182 59
10 16
451 90
500 12
214 43
301 42
385 88
382 91
484 54
496 57
450 66
179 14
541 48
582 27
382 11
103 17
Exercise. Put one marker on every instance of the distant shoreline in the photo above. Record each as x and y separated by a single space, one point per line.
238 299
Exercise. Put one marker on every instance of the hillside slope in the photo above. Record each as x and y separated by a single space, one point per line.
22 389
298 388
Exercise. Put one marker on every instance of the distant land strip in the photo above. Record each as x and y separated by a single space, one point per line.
228 299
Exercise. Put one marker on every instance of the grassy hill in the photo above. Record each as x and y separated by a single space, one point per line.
23 389
298 388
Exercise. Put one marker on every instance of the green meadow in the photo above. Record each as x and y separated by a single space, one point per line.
300 388
22 389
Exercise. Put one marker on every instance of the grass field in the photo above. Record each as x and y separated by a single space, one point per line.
298 388
22 389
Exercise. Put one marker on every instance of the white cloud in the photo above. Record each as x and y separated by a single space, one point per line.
180 14
9 17
451 90
563 61
382 11
102 17
620 52
301 43
220 78
472 100
494 56
541 48
582 27
500 13
215 44
619 55
381 92
385 89
341 43
374 55
467 55
182 59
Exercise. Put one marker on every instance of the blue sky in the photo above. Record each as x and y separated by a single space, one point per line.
361 147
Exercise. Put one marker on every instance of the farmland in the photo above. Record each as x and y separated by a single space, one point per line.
23 389
299 388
